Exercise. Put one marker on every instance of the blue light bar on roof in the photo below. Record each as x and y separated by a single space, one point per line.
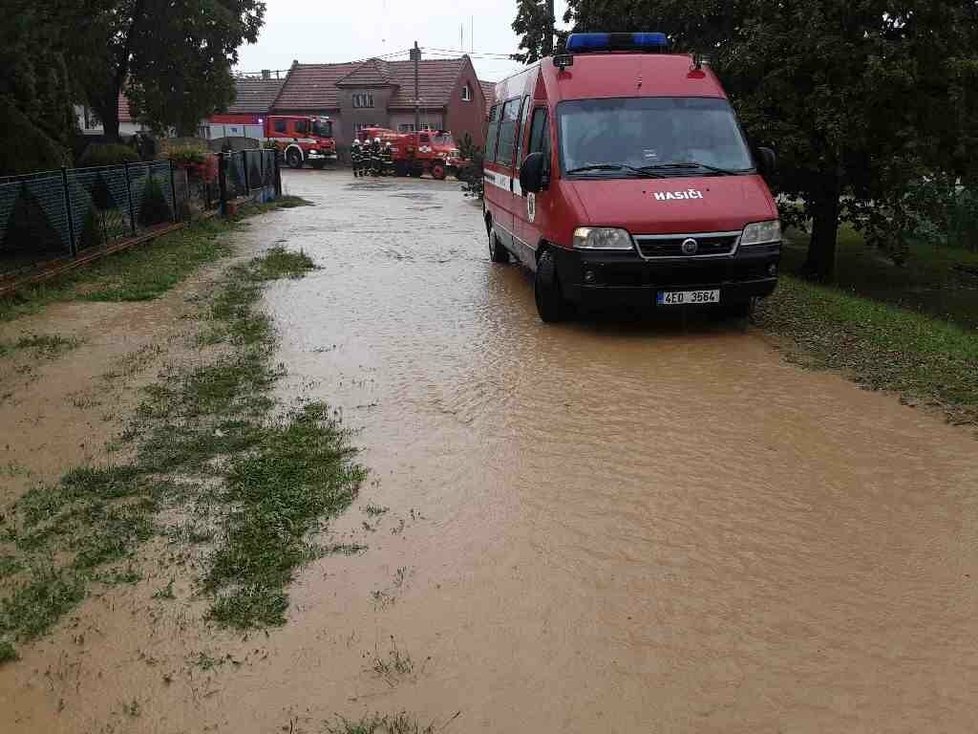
580 43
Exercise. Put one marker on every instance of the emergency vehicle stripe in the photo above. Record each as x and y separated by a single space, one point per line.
504 182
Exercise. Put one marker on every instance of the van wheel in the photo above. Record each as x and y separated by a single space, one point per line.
497 253
741 309
551 305
438 172
293 158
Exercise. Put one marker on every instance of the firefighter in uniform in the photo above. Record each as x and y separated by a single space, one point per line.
387 159
356 158
375 162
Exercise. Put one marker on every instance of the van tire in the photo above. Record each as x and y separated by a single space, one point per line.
293 158
438 172
742 310
497 253
551 305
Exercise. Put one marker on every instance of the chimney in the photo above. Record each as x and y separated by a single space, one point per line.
266 74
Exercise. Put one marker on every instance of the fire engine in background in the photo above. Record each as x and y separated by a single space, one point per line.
417 153
302 139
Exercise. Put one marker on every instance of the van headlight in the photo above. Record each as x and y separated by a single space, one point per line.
761 233
602 238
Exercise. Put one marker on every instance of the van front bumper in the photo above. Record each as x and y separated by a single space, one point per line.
595 278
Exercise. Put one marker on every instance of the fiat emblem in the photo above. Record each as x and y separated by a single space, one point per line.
690 246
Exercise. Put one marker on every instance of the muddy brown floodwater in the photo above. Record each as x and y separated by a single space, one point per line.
595 527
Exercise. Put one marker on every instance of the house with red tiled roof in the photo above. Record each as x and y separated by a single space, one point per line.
381 93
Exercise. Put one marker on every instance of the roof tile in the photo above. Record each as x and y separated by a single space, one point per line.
255 95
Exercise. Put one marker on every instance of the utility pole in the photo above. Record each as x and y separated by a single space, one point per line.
548 40
416 58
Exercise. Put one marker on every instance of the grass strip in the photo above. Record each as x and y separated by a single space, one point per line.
279 478
883 347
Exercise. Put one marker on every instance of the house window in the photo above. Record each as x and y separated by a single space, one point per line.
363 100
91 119
466 93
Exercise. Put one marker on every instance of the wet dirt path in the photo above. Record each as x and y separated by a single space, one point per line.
590 527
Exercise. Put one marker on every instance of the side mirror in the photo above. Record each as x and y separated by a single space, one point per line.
532 178
767 161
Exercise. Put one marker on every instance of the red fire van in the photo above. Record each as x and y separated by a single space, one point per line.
618 174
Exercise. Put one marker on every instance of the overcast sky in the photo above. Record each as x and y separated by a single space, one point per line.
326 32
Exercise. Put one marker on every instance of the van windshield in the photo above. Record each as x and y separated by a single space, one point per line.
668 136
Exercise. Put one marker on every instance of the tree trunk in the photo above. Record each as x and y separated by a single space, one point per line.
820 263
108 112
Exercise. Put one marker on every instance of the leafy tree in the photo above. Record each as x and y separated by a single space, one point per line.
860 97
534 25
174 59
35 89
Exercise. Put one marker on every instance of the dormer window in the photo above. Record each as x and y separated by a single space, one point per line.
363 100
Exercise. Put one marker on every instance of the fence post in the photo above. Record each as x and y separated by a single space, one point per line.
222 184
244 166
278 176
173 193
132 214
72 245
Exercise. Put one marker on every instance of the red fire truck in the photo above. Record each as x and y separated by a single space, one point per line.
302 139
417 153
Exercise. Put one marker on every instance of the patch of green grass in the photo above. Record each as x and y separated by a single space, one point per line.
881 346
35 605
165 592
8 652
400 723
298 474
937 281
278 262
283 202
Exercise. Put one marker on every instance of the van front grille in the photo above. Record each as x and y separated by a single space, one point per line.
707 245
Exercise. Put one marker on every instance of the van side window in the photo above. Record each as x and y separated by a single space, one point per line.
492 133
280 126
302 126
507 132
539 132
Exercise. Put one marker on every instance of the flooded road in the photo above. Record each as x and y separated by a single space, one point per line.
630 528
588 527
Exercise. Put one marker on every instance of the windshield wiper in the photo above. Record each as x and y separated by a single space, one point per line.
644 172
693 164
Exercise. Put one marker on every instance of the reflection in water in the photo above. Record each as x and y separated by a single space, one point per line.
609 527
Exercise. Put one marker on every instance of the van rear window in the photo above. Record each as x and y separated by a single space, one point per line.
671 135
